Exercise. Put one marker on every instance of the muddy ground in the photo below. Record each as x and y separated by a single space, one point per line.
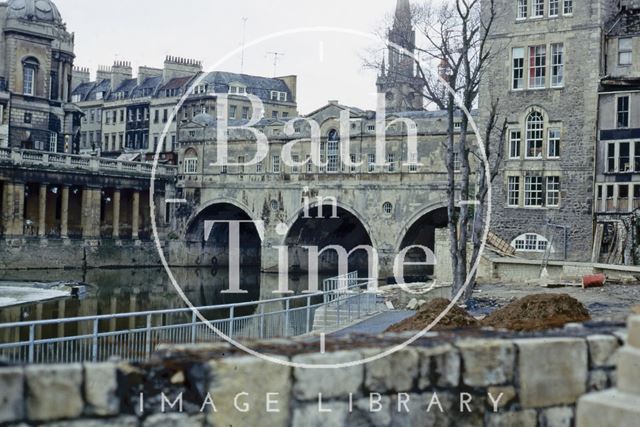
610 303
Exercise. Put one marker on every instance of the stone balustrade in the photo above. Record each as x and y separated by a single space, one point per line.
488 380
55 161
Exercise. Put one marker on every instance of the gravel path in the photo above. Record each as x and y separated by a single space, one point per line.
375 325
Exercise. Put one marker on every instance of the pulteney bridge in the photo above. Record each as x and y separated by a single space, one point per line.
388 207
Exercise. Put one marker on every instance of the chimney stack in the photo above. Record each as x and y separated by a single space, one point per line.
146 72
175 66
120 71
80 75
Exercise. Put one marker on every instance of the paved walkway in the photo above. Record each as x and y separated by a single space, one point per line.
376 324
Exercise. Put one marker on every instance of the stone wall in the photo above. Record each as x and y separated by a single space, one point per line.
22 254
441 380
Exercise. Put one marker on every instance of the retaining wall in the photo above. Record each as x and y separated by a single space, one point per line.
442 381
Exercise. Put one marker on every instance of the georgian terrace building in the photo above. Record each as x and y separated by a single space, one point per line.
127 114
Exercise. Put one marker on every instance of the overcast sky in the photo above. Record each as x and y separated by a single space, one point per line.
329 65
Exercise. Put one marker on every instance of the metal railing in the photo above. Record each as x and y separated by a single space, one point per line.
99 338
91 164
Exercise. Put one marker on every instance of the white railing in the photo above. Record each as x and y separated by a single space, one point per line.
98 338
91 164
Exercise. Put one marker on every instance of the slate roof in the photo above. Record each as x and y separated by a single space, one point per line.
259 86
177 83
83 89
126 86
151 83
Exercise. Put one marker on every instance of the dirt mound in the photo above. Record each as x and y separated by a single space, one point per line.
457 318
538 312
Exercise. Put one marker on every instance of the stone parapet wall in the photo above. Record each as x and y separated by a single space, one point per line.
472 380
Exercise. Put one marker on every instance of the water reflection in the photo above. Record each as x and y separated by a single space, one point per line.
135 290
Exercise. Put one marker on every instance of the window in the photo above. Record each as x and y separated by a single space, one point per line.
514 144
309 164
537 66
568 7
296 159
538 8
190 166
165 116
533 191
53 142
518 68
275 164
554 7
623 111
245 112
535 135
332 151
611 157
636 156
625 51
413 162
27 117
353 159
624 159
278 96
513 191
232 111
29 71
522 9
241 163
557 65
457 163
285 115
553 191
274 114
391 160
553 149
237 89
530 242
121 116
76 98
259 167
371 160
387 208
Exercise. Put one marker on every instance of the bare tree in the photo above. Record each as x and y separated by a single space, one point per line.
453 38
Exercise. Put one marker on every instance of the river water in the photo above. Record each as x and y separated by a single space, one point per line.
141 289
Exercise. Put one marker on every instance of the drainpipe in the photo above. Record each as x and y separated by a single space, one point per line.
565 229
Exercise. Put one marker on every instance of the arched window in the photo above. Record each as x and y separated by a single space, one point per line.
190 162
535 135
530 242
29 73
333 148
387 208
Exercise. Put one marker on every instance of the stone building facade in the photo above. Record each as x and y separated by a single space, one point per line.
548 60
127 114
387 203
36 66
617 195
